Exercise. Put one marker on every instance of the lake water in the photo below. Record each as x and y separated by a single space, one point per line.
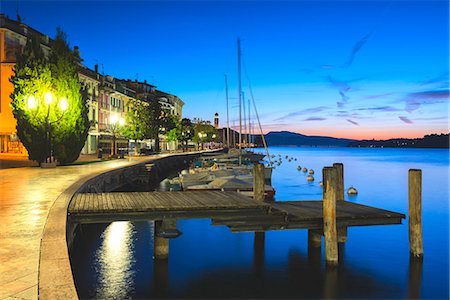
115 260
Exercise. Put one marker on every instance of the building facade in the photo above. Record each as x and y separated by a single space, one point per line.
107 97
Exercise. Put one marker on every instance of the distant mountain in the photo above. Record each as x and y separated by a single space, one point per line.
428 141
287 138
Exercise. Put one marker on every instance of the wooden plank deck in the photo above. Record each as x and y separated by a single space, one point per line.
238 212
309 214
107 207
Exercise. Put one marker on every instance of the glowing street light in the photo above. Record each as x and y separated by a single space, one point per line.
33 103
116 121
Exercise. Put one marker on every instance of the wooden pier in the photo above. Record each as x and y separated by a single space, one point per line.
238 212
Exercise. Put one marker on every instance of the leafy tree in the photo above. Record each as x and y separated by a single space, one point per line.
60 124
136 121
185 132
72 129
204 133
154 120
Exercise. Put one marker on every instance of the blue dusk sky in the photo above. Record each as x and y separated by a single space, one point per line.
356 69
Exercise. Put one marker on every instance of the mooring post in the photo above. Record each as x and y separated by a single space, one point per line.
258 182
329 215
314 238
342 231
415 212
161 245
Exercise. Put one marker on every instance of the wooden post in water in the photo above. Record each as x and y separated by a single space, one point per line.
314 238
415 212
258 182
329 215
160 244
342 231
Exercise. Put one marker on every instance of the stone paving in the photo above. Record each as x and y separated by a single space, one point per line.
26 196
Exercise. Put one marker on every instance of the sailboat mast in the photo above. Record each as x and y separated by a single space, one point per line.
228 119
239 93
244 138
249 124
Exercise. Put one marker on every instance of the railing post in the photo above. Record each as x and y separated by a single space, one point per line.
415 212
258 182
329 215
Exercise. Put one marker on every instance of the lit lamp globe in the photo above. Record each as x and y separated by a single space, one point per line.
63 104
48 98
121 122
31 102
114 119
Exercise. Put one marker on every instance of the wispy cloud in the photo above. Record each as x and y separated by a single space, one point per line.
344 96
327 67
353 122
379 108
413 101
314 119
379 96
307 111
405 119
356 48
340 85
340 104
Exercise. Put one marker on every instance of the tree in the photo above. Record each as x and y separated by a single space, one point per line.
136 121
204 133
185 132
154 120
48 102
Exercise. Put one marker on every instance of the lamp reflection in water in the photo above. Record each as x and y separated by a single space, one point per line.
115 261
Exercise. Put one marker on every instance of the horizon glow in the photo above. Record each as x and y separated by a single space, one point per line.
357 69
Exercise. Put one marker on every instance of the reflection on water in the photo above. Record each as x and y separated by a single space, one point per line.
116 261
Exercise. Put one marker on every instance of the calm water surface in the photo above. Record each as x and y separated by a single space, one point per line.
115 260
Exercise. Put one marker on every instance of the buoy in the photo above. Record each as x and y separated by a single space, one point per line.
295 159
311 171
184 172
305 170
352 191
321 183
289 160
310 178
299 168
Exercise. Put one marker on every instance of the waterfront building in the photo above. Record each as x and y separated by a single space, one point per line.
107 97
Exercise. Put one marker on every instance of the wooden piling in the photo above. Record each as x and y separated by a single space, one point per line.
314 238
342 231
415 212
329 214
161 245
339 181
258 182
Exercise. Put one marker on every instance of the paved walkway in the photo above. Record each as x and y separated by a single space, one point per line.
26 196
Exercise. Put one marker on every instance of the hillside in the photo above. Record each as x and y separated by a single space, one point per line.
286 138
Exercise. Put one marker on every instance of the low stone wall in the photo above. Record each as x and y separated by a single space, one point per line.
55 273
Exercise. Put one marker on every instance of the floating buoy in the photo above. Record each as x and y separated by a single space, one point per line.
352 191
321 183
305 170
289 160
310 178
299 168
311 171
295 159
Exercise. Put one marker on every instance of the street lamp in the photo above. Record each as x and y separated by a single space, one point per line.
116 121
32 104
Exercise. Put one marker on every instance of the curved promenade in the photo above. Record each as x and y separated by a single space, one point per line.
27 197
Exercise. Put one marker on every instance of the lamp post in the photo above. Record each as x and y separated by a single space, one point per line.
33 105
116 122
